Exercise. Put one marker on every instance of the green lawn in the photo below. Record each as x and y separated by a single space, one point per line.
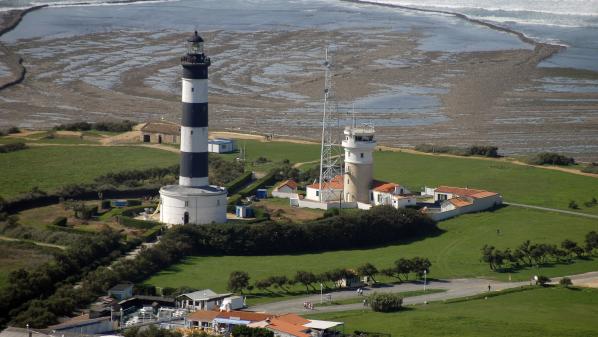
455 253
49 167
547 312
516 183
276 152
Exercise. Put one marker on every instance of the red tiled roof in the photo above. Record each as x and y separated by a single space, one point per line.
385 187
288 328
293 319
465 192
290 183
335 184
210 315
203 315
245 315
460 202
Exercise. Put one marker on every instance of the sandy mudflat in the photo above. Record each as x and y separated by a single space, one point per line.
272 81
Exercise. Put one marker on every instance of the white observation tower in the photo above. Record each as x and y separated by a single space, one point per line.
359 144
193 200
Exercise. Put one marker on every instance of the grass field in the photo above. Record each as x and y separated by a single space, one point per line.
49 167
516 183
404 294
455 253
276 152
547 312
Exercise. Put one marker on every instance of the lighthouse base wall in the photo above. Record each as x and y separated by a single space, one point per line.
195 205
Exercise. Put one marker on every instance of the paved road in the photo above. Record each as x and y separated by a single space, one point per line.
456 288
552 210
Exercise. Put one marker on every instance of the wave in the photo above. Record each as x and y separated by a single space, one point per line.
565 13
8 5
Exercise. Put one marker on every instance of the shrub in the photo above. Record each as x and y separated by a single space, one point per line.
245 331
573 205
542 280
59 221
135 223
13 129
106 204
77 126
565 282
12 147
550 158
591 168
386 302
474 150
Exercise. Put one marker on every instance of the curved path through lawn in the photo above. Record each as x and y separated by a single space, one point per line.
552 210
455 288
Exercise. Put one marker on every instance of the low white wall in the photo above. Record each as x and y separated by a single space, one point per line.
284 195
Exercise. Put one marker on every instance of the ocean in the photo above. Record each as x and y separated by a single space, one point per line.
572 23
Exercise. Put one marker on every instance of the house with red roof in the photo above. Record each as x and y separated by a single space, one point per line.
391 194
454 201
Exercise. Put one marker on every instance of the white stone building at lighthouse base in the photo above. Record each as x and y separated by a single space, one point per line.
182 204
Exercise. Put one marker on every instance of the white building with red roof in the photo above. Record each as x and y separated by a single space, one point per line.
454 201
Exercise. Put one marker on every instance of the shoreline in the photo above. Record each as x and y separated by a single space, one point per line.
10 20
542 50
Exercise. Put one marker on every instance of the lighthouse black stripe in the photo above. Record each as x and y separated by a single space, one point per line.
198 72
195 115
194 164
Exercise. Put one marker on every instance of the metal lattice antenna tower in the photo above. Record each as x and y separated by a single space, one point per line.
331 151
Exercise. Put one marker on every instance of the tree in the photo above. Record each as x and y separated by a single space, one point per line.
591 241
263 284
565 282
306 278
245 331
421 265
386 302
279 282
237 281
569 246
368 270
403 267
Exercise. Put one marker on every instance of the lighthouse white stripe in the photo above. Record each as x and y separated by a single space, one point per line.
187 181
194 139
195 90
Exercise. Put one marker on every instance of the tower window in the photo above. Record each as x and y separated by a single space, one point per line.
192 89
361 155
347 181
191 131
186 203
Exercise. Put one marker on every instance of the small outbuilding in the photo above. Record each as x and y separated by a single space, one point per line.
221 145
286 189
204 299
161 132
121 291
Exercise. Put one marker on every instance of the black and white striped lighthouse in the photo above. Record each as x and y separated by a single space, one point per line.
194 200
194 122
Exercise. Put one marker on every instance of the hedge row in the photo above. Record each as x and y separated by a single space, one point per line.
69 230
236 184
12 147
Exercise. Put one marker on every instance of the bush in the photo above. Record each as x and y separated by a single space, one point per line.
12 147
565 282
573 205
59 221
13 129
77 126
386 302
542 280
474 150
245 331
550 158
106 204
591 168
